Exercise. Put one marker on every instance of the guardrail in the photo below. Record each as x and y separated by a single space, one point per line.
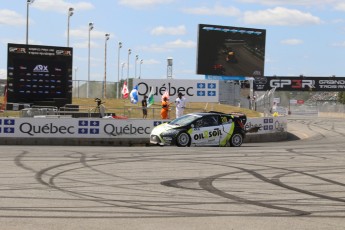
77 111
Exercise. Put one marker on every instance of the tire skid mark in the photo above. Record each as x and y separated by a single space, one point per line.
134 204
304 154
278 183
207 184
19 163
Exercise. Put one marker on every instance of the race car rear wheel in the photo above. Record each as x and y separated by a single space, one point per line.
236 140
183 139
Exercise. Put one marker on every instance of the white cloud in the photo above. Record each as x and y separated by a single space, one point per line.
21 40
83 33
292 41
11 18
161 30
60 6
217 10
340 6
335 4
3 74
280 16
151 62
180 44
169 46
292 2
143 3
339 44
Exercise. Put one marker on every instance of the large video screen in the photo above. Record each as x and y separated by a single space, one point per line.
231 51
39 73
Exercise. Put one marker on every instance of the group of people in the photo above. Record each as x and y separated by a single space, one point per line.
180 104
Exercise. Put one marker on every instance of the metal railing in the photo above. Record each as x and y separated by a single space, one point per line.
87 111
96 89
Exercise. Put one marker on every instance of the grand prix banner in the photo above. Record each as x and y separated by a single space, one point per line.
299 83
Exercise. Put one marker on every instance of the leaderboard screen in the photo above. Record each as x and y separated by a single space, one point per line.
39 73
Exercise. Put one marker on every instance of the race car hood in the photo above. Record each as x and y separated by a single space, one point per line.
162 128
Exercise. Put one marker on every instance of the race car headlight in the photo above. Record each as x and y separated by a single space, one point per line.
155 138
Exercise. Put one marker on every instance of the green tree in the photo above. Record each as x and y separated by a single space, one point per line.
341 97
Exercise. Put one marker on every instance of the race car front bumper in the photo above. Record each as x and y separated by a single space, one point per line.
157 140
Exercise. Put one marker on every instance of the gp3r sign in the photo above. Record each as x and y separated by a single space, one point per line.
301 84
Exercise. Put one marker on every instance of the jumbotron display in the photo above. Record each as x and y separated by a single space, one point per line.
231 51
39 73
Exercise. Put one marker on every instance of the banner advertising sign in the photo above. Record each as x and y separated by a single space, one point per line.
193 90
300 83
105 128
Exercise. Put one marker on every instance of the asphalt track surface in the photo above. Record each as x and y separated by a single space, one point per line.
297 184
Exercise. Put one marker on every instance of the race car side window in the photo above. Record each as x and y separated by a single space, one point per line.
198 123
210 121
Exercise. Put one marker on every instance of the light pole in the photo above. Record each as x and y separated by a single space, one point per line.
107 36
118 70
88 69
136 60
141 62
129 53
70 13
75 73
28 2
122 66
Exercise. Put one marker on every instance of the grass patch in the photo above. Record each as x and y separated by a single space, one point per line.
122 107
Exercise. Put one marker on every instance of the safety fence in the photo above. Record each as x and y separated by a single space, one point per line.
77 111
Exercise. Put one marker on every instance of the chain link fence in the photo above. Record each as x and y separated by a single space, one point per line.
98 89
263 103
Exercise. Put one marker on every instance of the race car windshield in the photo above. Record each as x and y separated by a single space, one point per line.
184 120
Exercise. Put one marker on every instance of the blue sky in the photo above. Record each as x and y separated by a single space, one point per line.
302 36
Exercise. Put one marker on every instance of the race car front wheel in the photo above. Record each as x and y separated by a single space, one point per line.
183 139
236 140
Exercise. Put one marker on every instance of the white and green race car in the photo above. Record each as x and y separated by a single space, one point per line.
201 129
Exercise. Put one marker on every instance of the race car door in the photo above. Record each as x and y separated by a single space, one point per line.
227 128
206 131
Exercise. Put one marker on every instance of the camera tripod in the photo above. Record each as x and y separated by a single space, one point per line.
100 108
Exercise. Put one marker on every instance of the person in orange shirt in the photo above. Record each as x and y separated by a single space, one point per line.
165 108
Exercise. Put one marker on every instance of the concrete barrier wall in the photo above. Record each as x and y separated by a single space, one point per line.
109 132
330 114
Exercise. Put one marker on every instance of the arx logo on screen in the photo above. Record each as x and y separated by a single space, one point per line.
41 69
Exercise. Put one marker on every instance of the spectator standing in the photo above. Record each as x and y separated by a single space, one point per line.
180 104
144 106
165 108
